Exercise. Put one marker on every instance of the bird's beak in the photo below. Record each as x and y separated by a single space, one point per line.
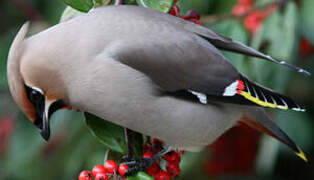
51 106
42 121
45 130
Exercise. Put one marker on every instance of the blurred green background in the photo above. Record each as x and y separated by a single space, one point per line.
287 33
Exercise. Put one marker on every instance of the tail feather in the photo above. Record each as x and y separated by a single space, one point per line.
259 120
233 46
265 97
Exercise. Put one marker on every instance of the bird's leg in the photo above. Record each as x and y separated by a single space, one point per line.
118 2
128 141
141 165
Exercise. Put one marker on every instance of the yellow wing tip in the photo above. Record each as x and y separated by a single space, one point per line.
301 155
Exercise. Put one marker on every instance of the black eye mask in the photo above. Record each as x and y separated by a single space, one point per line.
37 98
38 101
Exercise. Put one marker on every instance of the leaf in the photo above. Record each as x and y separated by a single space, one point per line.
201 6
112 135
307 23
109 134
140 176
69 13
160 5
81 5
223 6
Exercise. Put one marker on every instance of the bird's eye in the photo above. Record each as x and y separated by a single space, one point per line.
35 96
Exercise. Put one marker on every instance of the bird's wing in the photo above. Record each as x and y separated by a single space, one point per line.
177 57
183 61
225 43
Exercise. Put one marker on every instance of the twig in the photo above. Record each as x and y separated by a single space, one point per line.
106 155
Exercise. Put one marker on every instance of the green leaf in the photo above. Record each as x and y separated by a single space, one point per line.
201 6
81 5
140 176
222 6
109 134
69 13
160 5
307 23
112 135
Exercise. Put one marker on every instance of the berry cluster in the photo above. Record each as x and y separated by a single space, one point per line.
253 19
111 169
190 15
104 172
172 159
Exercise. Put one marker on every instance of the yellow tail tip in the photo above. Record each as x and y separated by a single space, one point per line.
301 155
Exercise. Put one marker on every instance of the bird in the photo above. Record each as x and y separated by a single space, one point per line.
144 70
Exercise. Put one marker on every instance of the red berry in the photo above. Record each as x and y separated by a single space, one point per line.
153 169
192 14
241 9
101 176
156 145
162 175
175 11
172 157
173 168
180 153
305 47
85 175
156 141
245 1
196 21
98 169
110 166
254 21
147 155
123 168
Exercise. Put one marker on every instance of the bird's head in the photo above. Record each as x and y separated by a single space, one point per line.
32 90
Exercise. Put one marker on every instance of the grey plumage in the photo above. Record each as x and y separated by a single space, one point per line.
125 64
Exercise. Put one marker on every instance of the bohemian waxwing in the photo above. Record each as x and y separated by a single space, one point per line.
145 70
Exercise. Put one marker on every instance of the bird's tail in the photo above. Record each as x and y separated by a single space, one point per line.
259 120
244 91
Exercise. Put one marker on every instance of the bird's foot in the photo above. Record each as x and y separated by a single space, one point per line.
138 165
135 166
127 159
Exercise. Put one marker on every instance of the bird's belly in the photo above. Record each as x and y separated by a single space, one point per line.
181 124
128 98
